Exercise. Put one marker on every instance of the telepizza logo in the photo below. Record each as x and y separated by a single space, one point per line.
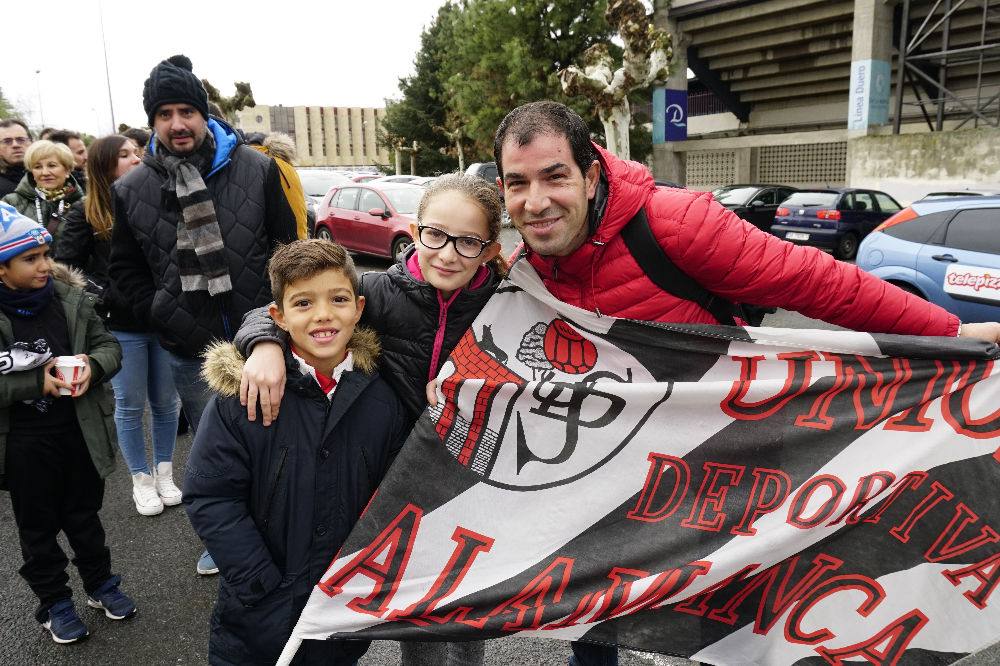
975 281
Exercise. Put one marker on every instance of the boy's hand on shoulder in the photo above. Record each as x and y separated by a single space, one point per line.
263 380
82 382
52 383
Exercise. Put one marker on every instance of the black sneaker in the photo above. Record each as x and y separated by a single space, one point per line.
64 624
115 603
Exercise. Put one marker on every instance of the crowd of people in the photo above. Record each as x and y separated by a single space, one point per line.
140 256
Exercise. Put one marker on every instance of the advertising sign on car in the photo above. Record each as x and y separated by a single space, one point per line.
972 283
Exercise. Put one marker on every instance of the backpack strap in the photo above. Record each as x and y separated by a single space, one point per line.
665 274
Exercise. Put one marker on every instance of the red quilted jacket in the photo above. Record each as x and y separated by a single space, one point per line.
727 256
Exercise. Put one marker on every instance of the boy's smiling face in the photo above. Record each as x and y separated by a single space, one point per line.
28 270
320 313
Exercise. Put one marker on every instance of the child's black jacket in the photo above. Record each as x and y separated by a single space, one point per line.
273 505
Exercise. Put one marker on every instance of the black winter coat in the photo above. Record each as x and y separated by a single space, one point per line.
406 314
274 505
9 179
253 216
79 247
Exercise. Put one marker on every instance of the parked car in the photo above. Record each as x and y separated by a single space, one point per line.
399 178
371 218
833 219
754 203
961 193
945 250
485 170
423 181
365 177
317 182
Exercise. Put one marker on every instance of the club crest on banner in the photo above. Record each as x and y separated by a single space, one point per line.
546 396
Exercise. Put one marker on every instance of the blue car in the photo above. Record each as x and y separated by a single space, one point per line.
834 219
945 250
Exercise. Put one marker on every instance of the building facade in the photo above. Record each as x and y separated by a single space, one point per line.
330 136
898 95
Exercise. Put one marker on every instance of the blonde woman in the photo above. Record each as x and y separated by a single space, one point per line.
48 188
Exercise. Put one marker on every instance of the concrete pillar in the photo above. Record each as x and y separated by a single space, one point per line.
742 169
871 66
667 163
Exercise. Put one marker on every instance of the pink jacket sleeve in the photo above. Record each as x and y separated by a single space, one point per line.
734 259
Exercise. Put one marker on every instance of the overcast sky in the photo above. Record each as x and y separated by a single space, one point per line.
340 53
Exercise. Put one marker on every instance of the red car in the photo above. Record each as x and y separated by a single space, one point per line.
371 219
365 177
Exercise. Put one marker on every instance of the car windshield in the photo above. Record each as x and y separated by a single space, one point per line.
804 199
733 196
405 201
318 183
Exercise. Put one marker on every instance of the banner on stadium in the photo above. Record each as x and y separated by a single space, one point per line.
730 495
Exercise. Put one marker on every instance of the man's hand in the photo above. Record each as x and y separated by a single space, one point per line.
82 382
52 383
988 331
263 379
432 396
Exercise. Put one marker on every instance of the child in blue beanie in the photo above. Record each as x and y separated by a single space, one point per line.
55 450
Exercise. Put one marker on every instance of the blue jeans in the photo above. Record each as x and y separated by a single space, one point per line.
192 389
592 654
145 374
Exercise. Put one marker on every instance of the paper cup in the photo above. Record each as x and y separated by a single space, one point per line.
68 369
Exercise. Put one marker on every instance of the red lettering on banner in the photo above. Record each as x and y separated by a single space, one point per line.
469 545
544 589
885 648
805 493
873 591
908 481
796 383
681 476
945 548
956 411
759 503
393 545
713 495
776 598
914 419
697 604
986 572
937 494
855 373
869 487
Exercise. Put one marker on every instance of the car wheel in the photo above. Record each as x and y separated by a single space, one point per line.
398 245
324 234
847 247
910 289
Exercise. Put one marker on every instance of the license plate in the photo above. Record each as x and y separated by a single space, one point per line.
794 235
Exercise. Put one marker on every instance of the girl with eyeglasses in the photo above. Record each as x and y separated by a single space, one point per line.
48 188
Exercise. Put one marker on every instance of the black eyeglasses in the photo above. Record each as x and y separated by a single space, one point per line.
467 246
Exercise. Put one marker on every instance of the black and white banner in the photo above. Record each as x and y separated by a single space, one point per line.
753 496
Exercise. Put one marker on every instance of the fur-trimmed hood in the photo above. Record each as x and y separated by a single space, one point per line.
69 275
223 365
279 144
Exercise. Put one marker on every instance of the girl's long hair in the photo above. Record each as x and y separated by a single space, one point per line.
484 194
102 162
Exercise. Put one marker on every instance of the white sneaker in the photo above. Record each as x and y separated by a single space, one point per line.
169 493
147 501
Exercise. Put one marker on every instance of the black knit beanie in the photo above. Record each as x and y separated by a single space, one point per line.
172 82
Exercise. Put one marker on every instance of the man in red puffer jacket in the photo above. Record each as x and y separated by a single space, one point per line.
570 199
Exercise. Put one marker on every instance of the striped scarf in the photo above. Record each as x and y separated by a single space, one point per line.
200 252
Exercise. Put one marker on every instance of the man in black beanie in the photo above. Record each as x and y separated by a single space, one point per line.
195 225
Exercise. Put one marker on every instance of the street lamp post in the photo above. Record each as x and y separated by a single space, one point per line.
38 89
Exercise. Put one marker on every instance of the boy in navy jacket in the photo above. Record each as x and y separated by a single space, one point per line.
273 505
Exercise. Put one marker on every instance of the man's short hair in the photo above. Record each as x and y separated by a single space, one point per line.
7 123
530 120
302 259
43 149
139 135
63 136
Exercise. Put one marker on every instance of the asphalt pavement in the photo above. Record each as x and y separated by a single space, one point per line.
156 558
